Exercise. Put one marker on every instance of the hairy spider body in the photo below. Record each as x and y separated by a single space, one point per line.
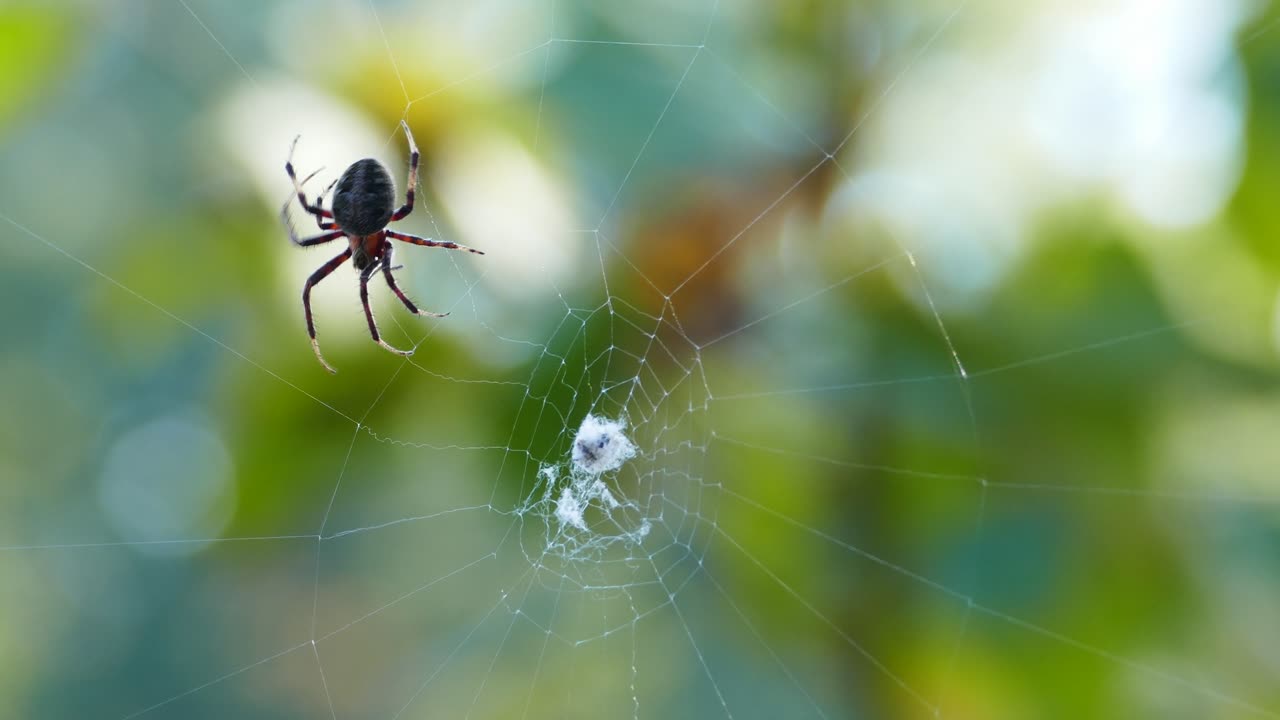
363 203
366 249
364 198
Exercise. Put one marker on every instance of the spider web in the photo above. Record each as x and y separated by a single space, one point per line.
490 577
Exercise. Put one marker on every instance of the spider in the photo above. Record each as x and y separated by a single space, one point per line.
363 204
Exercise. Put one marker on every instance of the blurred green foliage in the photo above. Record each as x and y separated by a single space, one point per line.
1082 524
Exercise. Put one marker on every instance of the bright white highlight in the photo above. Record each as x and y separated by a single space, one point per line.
526 237
575 498
1133 105
601 446
589 516
569 510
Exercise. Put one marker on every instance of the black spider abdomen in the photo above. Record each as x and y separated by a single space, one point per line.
364 198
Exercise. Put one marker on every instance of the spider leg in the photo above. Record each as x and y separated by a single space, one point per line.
412 184
320 223
316 277
320 239
368 312
320 203
415 240
316 210
387 249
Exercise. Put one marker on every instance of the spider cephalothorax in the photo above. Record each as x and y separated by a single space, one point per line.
363 203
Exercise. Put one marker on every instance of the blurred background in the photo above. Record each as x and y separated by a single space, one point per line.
946 332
